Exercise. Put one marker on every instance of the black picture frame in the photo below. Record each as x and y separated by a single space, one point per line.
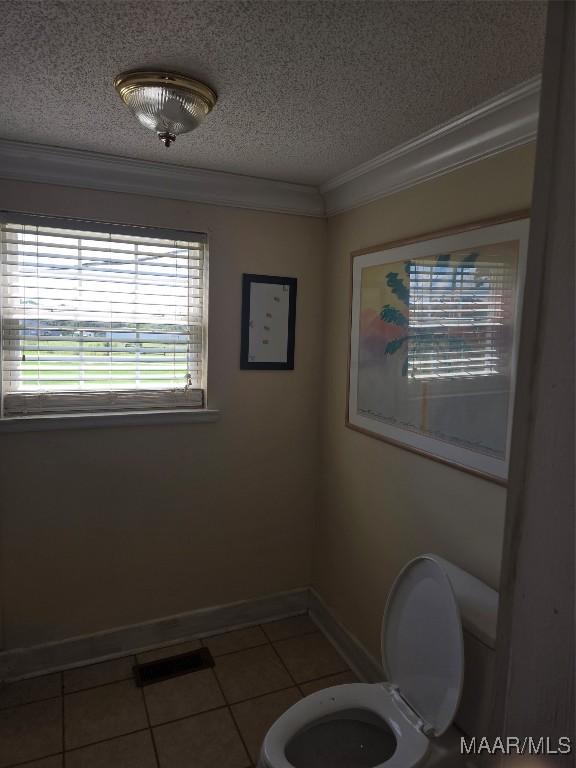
253 365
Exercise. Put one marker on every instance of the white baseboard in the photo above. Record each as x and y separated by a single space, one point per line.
76 651
349 647
50 657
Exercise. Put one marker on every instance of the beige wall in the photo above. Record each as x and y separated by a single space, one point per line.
382 505
108 527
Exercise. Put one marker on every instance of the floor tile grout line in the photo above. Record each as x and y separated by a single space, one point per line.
290 675
37 701
237 650
189 717
293 637
151 730
262 695
275 690
36 759
63 693
93 743
301 685
300 634
226 705
234 703
229 708
99 685
33 701
298 684
63 721
248 755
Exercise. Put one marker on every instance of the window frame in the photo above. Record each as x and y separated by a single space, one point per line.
135 412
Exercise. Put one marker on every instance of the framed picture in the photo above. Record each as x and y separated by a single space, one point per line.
268 323
433 343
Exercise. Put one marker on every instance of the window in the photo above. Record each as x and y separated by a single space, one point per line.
459 317
100 317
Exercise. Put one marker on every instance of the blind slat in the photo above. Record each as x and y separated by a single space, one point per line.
98 317
24 222
458 315
48 403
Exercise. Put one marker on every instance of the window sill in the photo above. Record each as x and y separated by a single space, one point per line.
98 420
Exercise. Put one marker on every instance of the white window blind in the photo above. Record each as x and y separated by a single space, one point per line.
460 318
100 317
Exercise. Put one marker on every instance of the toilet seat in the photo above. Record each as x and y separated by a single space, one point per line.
422 643
423 656
378 698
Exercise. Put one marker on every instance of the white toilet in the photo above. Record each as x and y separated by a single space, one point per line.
391 725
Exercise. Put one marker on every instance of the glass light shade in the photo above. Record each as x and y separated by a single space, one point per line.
165 102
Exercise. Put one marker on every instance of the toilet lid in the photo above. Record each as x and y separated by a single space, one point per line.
422 644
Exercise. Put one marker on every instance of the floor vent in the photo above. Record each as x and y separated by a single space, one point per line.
172 666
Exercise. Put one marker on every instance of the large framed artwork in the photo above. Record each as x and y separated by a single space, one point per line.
433 343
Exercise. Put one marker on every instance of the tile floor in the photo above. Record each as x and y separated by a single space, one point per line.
95 717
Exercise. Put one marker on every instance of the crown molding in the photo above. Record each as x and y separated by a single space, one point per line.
91 170
504 122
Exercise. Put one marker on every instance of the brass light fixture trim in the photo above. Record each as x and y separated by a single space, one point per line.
169 103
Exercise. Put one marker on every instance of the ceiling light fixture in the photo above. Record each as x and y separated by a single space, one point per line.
166 102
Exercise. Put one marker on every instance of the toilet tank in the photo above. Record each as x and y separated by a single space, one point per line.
478 605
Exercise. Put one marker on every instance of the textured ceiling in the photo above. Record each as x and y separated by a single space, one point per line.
307 90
